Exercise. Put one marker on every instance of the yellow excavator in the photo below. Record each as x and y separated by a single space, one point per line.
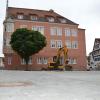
55 65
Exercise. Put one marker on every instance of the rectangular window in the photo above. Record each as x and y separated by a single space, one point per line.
30 61
74 44
9 27
53 44
68 43
96 46
62 20
38 28
35 28
59 31
23 61
9 60
56 31
97 58
42 60
34 18
8 42
20 16
39 60
69 61
61 60
45 60
74 32
50 19
59 43
72 61
53 30
67 32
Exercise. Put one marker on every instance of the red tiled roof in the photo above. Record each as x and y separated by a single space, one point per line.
12 11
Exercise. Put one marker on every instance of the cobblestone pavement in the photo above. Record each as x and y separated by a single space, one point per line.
49 85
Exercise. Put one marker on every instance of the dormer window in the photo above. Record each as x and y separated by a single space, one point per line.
20 16
50 19
33 17
62 20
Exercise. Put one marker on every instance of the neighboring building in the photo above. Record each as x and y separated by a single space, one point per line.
95 55
59 31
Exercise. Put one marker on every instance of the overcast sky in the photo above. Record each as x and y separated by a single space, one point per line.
84 12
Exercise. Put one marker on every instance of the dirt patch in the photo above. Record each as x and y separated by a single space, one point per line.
15 84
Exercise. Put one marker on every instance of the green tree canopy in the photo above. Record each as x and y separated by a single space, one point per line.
27 42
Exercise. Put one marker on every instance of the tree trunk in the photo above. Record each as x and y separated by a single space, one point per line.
26 69
26 60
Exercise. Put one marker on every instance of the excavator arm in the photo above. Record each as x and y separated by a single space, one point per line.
61 51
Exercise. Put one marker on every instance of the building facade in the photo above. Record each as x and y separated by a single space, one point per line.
58 30
95 55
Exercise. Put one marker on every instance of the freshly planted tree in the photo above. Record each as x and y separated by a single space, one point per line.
27 42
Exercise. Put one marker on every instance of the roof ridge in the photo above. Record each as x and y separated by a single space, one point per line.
29 9
97 38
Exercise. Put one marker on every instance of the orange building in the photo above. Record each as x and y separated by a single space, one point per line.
58 30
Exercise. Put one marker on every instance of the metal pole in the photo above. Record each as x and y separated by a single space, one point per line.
7 8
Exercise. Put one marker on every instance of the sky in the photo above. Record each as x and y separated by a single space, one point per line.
84 12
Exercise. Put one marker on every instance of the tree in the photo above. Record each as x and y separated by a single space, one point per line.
27 42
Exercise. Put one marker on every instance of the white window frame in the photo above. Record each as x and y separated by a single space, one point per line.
74 44
45 60
42 60
9 27
51 19
62 20
59 31
9 60
39 60
30 61
38 28
74 32
61 60
56 31
33 17
20 16
23 62
67 32
8 41
53 43
72 61
68 44
53 31
59 43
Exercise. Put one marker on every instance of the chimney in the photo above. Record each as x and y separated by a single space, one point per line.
51 10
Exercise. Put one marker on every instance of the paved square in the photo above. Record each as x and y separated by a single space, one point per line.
49 85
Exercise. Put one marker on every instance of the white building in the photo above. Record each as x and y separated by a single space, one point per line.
95 55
